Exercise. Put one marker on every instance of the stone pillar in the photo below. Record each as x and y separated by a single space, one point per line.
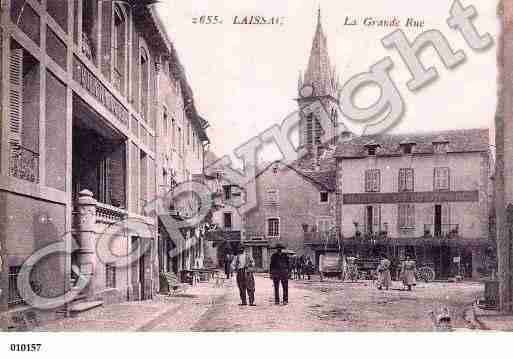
86 225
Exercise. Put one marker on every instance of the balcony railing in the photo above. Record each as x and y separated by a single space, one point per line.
441 231
321 237
24 163
109 214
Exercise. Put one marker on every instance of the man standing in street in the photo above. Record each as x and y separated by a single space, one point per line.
279 269
243 264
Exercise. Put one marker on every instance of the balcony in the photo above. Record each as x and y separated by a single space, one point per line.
441 231
109 214
24 163
326 239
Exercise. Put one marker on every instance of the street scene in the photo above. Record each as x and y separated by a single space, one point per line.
172 168
313 306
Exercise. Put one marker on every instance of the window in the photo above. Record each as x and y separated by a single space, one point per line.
440 147
89 20
272 196
14 295
407 148
180 149
227 190
371 149
165 123
227 220
406 216
23 122
273 227
372 215
324 224
441 181
406 180
188 133
144 70
119 48
324 197
309 130
104 189
110 275
372 180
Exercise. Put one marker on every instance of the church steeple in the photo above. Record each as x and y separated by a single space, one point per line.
319 83
319 72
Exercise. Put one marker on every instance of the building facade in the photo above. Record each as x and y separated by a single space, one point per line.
292 206
422 195
92 97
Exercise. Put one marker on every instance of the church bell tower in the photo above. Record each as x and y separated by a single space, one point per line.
319 83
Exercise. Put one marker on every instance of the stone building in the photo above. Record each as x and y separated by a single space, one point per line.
227 224
296 201
425 195
291 203
97 118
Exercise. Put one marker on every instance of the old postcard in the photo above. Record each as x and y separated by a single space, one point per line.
254 166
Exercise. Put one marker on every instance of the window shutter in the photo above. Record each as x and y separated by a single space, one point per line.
409 179
446 213
377 179
400 216
411 215
436 178
445 180
16 96
376 217
401 179
431 214
367 181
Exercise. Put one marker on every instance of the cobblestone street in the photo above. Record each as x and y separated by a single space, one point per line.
313 306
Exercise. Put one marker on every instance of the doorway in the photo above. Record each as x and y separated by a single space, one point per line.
141 277
444 262
438 220
257 256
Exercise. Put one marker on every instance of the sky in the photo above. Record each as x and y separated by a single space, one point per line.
244 77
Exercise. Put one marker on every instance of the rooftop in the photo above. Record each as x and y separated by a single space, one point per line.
457 141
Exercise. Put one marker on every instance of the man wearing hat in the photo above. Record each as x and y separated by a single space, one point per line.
243 264
279 269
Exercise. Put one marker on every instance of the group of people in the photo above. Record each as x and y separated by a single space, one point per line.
301 267
243 265
406 274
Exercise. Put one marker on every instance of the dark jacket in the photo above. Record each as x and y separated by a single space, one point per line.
279 264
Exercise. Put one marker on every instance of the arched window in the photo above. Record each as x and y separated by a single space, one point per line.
119 40
144 84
